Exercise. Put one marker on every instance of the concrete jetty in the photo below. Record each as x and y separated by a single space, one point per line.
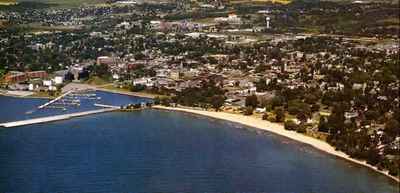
54 118
55 100
106 106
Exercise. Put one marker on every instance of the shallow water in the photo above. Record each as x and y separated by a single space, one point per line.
160 151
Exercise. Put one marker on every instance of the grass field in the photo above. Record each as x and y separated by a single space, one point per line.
8 2
95 80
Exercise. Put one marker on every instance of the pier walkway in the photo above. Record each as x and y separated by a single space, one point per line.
55 100
54 118
106 106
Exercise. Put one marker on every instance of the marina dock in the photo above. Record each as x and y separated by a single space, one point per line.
55 118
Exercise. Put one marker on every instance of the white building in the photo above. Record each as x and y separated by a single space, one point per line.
148 82
47 83
232 19
58 80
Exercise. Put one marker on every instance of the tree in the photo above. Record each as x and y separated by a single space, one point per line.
261 85
251 101
280 114
290 125
301 116
157 100
217 101
301 128
276 102
265 116
102 71
2 71
315 107
165 101
392 128
137 88
373 156
311 98
300 109
248 111
322 125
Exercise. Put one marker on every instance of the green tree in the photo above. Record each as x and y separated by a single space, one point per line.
157 100
102 71
280 114
248 111
2 71
290 125
392 128
165 101
300 109
137 88
322 125
276 102
251 101
261 85
217 101
265 116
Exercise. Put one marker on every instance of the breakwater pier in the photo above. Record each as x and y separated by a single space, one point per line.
55 118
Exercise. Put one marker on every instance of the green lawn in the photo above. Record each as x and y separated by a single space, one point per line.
8 2
96 81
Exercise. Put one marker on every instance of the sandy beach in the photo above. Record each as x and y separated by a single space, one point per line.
277 129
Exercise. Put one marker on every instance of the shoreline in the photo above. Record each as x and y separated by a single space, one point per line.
279 130
25 97
264 125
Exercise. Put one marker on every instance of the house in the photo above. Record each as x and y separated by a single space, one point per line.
106 60
162 73
59 80
148 82
116 76
260 110
78 72
47 83
245 84
232 19
13 77
175 75
17 77
351 114
37 74
358 86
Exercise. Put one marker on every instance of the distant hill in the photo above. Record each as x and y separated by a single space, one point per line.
66 2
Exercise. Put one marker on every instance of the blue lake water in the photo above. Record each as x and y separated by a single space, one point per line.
13 109
160 151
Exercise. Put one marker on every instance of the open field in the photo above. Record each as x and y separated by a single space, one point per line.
8 2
